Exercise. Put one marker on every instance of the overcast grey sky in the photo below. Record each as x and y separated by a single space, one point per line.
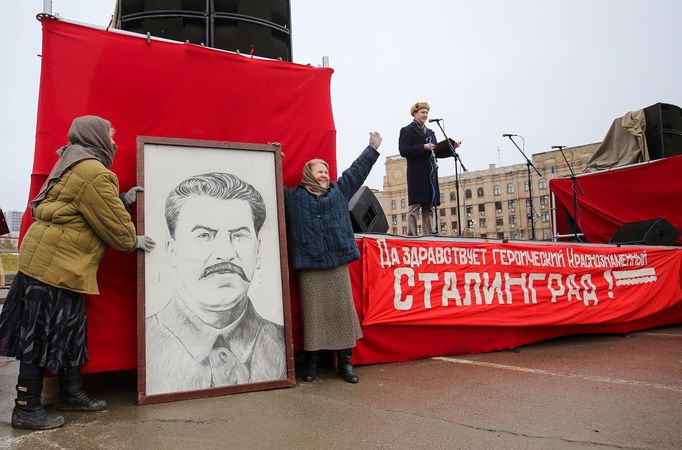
555 72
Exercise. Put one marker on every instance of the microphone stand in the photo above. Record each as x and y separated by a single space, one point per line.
530 187
574 184
457 159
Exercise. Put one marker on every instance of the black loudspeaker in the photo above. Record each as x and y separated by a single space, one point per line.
663 130
647 232
264 25
366 213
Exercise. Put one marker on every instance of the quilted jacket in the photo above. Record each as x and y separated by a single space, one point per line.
80 216
319 230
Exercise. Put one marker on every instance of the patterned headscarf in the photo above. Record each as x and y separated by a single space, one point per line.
308 180
88 139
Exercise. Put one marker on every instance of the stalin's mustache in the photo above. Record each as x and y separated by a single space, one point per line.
224 267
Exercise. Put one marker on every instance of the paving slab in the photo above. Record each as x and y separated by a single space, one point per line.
591 392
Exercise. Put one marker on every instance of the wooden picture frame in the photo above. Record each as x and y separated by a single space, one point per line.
213 306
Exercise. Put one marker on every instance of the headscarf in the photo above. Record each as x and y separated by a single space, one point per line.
88 139
308 180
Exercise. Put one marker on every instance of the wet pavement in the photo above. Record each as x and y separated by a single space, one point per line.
597 391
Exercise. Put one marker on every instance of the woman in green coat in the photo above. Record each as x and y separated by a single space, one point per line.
78 214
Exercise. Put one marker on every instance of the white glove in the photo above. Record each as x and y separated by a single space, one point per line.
144 243
375 140
130 197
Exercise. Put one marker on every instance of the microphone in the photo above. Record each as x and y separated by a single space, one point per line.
509 135
435 120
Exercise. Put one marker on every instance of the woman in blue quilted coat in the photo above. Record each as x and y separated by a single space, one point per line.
322 243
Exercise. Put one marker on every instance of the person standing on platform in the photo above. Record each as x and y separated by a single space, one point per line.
321 244
417 144
78 214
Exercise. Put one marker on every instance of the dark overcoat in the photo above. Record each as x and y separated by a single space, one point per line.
319 230
422 172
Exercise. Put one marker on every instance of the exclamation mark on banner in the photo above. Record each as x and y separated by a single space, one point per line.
609 279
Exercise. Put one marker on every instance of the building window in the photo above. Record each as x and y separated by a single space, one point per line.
481 210
470 224
467 193
393 204
395 230
498 207
511 204
394 219
515 235
544 201
496 189
510 188
443 228
453 211
404 230
442 197
479 192
453 196
546 234
500 235
441 212
512 220
453 225
525 185
542 183
403 217
419 229
402 202
481 223
469 210
545 217
499 222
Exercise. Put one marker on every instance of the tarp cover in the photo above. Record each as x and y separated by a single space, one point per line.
170 90
624 143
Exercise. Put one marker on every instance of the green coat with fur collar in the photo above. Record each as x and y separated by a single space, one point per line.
80 216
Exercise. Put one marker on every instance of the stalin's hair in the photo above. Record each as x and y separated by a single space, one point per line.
222 186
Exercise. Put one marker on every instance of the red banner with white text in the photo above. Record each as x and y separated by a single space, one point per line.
515 284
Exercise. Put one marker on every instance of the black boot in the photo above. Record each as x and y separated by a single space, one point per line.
72 397
345 367
28 413
312 360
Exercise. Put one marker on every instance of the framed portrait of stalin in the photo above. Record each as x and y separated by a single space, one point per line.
213 299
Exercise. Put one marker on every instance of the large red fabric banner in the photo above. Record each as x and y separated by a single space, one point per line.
404 342
160 88
516 284
609 199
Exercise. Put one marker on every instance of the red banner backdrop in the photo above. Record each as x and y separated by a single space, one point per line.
459 283
165 89
612 198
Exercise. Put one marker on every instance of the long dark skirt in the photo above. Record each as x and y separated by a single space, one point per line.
44 325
